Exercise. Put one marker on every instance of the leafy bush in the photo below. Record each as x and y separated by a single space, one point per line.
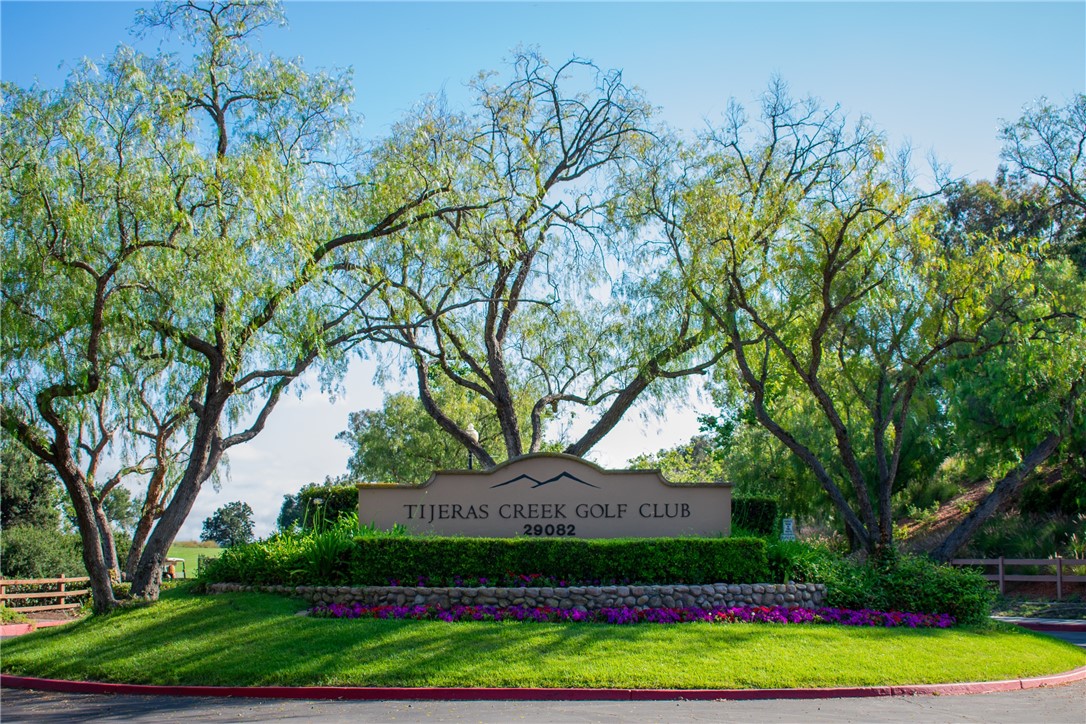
798 561
1014 535
760 516
894 583
337 502
9 616
319 554
30 552
1066 496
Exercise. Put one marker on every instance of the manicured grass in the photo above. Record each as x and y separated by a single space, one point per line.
255 639
191 554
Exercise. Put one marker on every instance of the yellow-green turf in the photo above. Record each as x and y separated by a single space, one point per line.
192 554
255 639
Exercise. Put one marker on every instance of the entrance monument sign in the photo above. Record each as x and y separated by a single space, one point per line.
550 494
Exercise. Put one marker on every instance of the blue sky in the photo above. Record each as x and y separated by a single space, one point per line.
939 76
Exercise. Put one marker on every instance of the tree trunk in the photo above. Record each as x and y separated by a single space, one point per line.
109 546
93 560
206 452
139 538
1003 490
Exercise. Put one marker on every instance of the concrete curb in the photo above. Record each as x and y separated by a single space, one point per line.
509 694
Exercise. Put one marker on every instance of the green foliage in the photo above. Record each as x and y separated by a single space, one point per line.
336 502
27 552
760 516
897 582
9 616
1065 496
230 525
695 461
290 513
1022 535
319 553
29 489
376 560
400 443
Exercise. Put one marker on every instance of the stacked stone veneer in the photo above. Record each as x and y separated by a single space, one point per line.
587 598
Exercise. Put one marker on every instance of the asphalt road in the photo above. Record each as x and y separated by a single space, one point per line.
1048 706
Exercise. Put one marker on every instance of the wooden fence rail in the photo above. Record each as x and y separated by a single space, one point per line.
61 594
1002 577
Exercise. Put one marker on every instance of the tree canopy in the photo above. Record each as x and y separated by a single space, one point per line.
185 235
230 525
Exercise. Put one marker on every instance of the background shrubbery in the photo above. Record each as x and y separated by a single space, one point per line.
895 582
760 516
32 552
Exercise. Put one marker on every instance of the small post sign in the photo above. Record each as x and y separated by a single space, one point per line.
788 529
550 494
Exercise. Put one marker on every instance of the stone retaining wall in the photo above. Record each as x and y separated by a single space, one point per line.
715 595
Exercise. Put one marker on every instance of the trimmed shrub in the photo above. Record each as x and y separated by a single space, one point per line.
760 516
377 560
644 560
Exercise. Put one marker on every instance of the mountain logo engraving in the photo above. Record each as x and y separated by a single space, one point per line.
540 483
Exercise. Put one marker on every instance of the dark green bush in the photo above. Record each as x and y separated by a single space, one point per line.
645 560
337 501
29 552
894 583
376 560
760 516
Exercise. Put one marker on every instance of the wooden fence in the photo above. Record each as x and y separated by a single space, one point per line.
1002 577
60 594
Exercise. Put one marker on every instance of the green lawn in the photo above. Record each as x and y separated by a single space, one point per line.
191 554
187 639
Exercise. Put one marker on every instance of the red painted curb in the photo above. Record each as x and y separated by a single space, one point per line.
466 694
18 629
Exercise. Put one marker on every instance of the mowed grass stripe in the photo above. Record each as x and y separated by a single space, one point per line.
192 554
255 639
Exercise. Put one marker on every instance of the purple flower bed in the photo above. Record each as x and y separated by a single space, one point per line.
738 614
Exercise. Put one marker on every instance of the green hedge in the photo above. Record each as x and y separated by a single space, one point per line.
644 560
326 559
760 516
336 501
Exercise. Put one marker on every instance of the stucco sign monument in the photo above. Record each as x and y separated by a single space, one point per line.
550 494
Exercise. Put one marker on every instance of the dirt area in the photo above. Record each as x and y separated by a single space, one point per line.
71 614
928 534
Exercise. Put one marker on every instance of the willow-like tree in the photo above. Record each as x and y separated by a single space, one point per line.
1027 400
539 304
811 248
188 219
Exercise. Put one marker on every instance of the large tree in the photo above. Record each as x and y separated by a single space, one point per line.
539 304
1027 399
230 525
187 219
810 246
